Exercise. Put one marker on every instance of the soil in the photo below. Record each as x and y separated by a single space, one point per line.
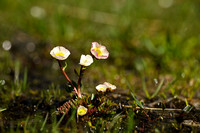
147 120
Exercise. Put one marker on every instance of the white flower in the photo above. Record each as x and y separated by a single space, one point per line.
99 51
60 53
110 86
81 110
86 60
101 88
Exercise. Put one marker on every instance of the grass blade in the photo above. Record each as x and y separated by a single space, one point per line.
131 122
145 88
1 110
25 79
71 117
137 101
114 121
60 120
128 84
171 83
26 124
45 120
157 89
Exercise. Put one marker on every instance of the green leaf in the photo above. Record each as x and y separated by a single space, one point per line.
65 66
76 72
69 87
90 124
84 68
137 101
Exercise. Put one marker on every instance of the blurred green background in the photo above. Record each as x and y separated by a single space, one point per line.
155 39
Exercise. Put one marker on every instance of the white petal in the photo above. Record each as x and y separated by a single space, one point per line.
110 86
101 88
86 60
95 45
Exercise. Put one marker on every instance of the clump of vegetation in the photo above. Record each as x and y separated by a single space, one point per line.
95 105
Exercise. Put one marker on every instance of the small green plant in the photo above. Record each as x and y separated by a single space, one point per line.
85 104
155 92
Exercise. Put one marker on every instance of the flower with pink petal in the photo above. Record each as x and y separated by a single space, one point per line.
99 51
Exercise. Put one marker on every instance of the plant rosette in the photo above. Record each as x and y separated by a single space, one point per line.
99 52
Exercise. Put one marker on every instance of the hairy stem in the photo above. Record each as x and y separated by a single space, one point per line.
79 95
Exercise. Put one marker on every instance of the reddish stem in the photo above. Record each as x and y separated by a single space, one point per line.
149 117
79 95
79 80
146 115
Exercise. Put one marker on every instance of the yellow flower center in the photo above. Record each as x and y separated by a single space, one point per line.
81 111
101 89
98 51
84 61
59 53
